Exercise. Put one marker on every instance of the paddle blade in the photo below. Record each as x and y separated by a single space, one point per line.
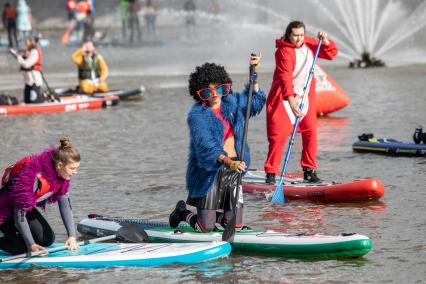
278 196
65 37
229 232
133 233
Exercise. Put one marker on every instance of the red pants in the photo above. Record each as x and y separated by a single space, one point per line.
279 128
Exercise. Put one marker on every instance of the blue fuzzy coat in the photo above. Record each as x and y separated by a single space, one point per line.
206 138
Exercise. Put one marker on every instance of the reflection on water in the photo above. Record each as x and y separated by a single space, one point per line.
332 131
303 216
216 271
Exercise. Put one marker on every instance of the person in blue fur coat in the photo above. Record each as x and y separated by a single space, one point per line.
216 124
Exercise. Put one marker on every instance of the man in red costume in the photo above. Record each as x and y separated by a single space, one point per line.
293 60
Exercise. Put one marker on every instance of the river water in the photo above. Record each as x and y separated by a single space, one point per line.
134 160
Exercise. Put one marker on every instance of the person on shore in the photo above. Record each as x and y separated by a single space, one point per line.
123 10
30 62
36 181
92 69
24 19
9 23
216 125
89 23
80 16
71 5
215 8
150 11
84 19
134 24
293 60
189 7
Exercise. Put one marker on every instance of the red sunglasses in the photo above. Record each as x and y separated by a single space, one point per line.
222 90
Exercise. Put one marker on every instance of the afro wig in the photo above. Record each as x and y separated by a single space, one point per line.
206 75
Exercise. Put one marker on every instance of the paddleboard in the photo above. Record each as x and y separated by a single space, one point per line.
390 147
296 188
246 241
99 255
66 104
129 94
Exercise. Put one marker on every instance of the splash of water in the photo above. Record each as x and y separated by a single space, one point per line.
373 27
360 27
414 23
377 27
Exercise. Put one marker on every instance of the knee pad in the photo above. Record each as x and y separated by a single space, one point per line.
206 220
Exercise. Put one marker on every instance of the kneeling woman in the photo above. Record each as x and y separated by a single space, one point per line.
216 124
35 181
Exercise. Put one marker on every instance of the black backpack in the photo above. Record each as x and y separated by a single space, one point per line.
8 100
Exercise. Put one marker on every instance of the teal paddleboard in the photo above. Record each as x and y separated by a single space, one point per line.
100 255
246 241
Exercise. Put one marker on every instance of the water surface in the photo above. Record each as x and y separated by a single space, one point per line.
134 160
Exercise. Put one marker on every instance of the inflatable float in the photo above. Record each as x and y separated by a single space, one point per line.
330 97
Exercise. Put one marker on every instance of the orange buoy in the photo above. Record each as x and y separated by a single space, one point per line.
329 96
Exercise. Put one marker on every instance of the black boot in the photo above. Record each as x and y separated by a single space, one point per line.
310 175
270 178
175 217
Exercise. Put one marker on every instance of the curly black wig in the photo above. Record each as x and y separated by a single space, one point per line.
204 76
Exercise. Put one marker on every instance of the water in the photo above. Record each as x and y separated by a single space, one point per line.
134 159
134 155
390 30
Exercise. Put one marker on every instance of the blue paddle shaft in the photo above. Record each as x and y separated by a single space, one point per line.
278 196
247 114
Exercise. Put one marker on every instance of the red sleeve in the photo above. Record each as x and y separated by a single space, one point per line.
285 62
326 52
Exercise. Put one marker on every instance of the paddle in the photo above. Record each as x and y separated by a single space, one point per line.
53 96
278 196
67 34
131 233
229 232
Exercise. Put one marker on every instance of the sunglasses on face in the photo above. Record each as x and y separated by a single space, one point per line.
221 90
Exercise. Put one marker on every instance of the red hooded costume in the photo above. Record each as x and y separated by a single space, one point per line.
292 65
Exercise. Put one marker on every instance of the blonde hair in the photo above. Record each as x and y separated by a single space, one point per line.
66 153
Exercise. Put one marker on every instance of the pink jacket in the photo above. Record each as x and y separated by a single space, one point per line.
21 192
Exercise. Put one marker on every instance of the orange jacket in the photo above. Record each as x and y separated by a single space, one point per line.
10 13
